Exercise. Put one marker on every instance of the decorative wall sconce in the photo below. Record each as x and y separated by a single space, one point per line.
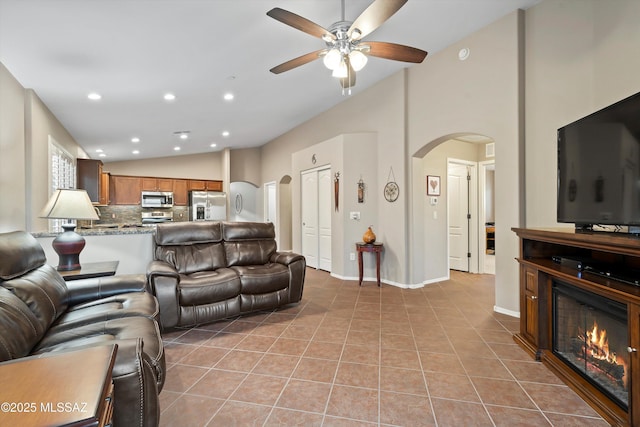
360 191
336 189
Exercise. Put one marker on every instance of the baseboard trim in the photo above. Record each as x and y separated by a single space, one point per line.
511 313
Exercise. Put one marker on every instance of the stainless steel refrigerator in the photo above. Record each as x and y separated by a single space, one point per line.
207 206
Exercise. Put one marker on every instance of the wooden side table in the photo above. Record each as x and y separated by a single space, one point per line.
369 247
91 269
67 388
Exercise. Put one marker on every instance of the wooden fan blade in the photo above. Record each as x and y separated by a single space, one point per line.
299 23
396 52
296 62
374 16
350 80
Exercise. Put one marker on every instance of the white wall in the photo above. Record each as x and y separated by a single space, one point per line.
244 195
582 55
192 166
341 153
13 186
481 95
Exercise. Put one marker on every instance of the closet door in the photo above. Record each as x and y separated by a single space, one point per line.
324 219
316 217
309 210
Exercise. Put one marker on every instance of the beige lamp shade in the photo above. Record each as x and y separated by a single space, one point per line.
69 204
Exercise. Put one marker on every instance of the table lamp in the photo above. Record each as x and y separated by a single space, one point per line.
69 204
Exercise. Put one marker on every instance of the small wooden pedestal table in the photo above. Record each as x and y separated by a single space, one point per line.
369 247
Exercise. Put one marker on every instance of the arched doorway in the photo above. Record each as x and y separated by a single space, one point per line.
430 261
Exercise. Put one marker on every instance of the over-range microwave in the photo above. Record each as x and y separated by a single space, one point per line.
156 199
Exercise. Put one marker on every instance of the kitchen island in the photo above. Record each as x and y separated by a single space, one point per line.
131 246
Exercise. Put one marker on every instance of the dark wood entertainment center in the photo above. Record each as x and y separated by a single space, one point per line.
538 271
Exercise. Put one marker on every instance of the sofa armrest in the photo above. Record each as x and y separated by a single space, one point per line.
84 290
164 280
285 258
297 265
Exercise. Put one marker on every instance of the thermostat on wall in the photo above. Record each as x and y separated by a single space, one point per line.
433 201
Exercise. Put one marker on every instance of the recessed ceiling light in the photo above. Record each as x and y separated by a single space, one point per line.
102 155
99 150
184 135
169 97
135 152
135 139
94 96
213 145
176 148
228 96
225 133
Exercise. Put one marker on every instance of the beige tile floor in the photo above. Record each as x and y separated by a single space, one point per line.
366 356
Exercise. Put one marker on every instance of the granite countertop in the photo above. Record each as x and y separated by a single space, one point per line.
103 230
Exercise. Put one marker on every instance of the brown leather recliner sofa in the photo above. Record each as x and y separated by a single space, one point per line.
205 271
41 313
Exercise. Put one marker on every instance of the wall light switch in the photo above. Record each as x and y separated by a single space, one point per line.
354 215
352 256
435 214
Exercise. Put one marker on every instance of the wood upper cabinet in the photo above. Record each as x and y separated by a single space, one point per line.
105 177
125 190
208 185
156 184
89 174
180 192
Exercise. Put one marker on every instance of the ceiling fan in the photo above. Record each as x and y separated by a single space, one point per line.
346 52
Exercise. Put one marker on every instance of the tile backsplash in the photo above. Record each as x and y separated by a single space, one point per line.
131 214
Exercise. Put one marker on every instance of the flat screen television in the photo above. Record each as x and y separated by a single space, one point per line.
599 167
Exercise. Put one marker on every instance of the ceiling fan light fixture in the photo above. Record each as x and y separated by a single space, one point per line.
332 59
341 71
357 60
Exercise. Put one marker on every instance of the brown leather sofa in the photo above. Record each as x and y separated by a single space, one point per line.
41 313
205 271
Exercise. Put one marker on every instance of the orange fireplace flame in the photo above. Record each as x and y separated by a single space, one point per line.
597 348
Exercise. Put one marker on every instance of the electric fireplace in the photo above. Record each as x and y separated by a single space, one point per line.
590 335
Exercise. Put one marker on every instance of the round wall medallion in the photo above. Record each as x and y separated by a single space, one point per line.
391 191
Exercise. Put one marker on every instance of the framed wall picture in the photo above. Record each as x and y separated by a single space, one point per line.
433 185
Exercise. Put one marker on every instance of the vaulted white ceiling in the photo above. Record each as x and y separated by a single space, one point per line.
132 52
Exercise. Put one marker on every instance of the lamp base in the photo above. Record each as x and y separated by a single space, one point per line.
68 246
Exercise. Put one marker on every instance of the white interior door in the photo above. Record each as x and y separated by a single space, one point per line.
458 191
324 219
271 206
309 208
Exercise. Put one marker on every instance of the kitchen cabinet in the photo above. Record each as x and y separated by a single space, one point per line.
125 190
180 192
156 184
202 185
89 178
105 177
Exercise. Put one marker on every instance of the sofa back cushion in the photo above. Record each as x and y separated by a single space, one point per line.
190 246
37 293
248 243
20 331
20 253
